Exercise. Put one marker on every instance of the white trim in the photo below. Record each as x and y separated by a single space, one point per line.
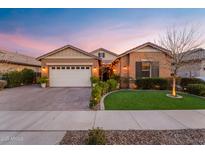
69 57
90 64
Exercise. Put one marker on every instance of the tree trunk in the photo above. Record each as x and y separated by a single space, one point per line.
174 86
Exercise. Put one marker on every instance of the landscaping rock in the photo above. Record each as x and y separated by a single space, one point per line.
142 137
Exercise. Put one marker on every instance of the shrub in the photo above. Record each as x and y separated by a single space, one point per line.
196 89
202 93
43 79
14 79
112 84
3 84
94 79
185 81
104 86
170 82
152 83
96 137
28 76
96 94
115 77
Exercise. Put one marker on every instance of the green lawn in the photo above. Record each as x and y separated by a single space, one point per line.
151 100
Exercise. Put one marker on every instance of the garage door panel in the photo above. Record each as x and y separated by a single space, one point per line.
70 77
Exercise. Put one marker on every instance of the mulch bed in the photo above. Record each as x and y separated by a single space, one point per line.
141 137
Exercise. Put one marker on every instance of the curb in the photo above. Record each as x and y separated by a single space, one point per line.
102 106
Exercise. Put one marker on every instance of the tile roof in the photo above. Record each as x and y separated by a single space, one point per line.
196 54
17 58
105 50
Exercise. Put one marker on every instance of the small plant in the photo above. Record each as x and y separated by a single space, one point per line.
152 83
186 81
104 86
13 78
43 79
115 77
28 76
202 93
94 79
96 94
196 89
96 137
112 84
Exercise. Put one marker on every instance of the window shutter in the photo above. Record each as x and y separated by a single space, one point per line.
155 69
103 55
138 71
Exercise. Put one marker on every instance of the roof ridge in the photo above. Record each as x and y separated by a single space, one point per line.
113 53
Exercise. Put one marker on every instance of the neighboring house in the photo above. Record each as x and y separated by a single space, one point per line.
106 56
13 61
146 60
69 67
194 64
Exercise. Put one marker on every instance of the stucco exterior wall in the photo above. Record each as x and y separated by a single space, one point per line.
108 56
8 67
126 67
164 62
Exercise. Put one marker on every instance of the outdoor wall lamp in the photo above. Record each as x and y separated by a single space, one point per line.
43 69
124 67
95 69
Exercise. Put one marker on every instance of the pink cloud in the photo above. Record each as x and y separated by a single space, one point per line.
30 45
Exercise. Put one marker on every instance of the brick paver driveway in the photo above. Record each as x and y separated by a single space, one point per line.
34 98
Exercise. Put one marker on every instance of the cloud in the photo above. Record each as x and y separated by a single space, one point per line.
25 43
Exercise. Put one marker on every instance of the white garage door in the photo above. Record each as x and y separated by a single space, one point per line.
69 76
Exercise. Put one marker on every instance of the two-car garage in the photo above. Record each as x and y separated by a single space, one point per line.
70 76
69 67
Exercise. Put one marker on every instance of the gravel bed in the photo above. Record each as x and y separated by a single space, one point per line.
141 137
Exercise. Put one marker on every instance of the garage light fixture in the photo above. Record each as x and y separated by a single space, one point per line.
94 69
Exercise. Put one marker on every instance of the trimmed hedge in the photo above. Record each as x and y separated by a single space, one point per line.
100 88
185 81
196 89
18 78
14 79
152 83
112 84
28 76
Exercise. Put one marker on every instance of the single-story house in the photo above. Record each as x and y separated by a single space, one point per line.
105 55
13 61
193 64
72 67
146 60
69 66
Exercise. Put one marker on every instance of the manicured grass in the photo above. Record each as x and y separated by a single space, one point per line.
151 100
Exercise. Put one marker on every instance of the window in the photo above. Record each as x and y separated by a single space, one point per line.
82 67
87 68
67 67
101 55
58 68
63 67
146 69
72 67
77 67
53 68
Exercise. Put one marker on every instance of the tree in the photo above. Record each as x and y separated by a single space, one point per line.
178 41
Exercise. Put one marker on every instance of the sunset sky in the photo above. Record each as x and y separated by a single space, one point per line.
37 31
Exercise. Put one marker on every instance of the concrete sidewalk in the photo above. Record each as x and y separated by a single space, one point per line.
50 126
